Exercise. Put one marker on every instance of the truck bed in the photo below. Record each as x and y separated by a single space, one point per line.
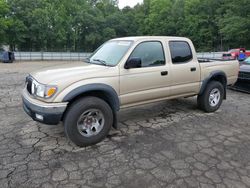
229 67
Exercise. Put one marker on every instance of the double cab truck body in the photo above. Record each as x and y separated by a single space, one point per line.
124 72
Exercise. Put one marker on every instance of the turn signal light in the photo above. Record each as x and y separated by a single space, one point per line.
51 91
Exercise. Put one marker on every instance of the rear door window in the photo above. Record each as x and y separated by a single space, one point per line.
180 52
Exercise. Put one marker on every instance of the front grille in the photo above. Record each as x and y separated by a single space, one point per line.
244 75
29 84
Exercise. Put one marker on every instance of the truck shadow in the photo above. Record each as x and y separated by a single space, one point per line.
159 109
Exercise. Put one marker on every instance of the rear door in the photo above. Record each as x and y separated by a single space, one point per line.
185 69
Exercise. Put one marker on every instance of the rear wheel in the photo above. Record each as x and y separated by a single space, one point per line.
210 100
88 121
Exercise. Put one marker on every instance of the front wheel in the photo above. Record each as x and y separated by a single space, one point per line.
210 100
88 121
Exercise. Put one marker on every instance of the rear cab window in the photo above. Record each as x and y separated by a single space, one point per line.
180 52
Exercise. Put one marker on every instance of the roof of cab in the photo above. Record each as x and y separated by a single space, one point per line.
136 38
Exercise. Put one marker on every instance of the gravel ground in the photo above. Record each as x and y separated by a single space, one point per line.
167 144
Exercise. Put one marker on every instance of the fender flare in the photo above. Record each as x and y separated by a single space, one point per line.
213 75
109 92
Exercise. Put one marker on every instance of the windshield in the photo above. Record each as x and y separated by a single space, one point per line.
110 53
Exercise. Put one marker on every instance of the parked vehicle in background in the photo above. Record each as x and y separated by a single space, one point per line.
1 55
122 73
7 56
243 81
236 52
227 56
246 61
244 73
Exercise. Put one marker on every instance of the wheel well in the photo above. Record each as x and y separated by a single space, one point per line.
100 94
108 98
220 78
215 76
223 80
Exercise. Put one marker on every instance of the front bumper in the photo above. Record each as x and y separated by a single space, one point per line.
47 113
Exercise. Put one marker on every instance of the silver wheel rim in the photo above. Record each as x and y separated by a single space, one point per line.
90 123
214 97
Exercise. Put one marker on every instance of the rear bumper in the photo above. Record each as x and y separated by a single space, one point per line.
47 113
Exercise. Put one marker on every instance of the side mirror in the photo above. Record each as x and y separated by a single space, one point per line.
134 62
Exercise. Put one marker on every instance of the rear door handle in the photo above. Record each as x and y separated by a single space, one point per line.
192 69
164 73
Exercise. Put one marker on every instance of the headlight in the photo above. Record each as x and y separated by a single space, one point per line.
41 90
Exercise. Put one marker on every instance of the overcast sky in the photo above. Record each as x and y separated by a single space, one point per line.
131 3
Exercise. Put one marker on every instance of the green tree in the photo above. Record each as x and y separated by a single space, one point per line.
4 10
15 33
78 25
234 24
200 23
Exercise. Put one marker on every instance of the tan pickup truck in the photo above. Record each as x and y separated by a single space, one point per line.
124 72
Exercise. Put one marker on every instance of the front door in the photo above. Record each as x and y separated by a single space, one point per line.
149 81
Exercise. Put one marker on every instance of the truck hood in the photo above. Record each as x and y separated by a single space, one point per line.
71 72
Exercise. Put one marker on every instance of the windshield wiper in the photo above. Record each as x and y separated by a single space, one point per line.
101 61
87 60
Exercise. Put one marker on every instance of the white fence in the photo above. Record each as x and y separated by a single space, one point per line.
215 55
46 56
74 56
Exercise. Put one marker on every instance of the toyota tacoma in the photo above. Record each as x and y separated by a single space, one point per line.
124 72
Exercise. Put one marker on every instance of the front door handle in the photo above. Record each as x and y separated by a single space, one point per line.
193 69
164 73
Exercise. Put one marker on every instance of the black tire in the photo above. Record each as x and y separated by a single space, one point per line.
203 99
76 110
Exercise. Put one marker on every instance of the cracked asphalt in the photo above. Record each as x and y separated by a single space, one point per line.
167 144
